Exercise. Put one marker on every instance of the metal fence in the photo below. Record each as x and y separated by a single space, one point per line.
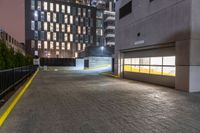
12 77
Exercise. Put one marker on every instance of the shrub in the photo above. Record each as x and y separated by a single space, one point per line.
10 59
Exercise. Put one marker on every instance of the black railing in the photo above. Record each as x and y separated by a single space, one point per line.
10 78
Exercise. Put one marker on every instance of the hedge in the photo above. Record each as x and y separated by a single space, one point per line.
10 59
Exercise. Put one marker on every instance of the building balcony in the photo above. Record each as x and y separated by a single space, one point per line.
110 35
110 43
110 28
110 19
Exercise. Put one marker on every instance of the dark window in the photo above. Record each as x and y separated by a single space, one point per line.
125 10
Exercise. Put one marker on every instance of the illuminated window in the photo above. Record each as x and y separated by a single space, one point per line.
63 28
42 16
63 8
51 27
39 5
36 15
45 6
33 4
57 27
71 19
66 19
32 25
54 17
45 26
51 6
84 12
54 36
68 28
66 37
51 45
57 46
84 30
151 65
48 16
76 54
63 46
79 11
45 45
68 9
57 8
84 46
79 46
39 45
68 46
89 13
79 29
71 37
48 36
57 53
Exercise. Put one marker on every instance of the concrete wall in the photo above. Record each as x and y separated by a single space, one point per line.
163 22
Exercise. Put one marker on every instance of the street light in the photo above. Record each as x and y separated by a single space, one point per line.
102 49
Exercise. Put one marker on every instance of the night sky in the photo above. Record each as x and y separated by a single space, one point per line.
12 18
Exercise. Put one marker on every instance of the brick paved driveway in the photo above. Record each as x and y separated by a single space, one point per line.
78 102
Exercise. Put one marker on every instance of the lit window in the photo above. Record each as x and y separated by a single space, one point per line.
89 13
84 12
66 19
157 70
169 71
36 15
63 46
135 61
76 55
68 46
144 61
51 45
32 25
71 19
63 28
51 27
48 16
45 6
84 30
68 9
42 16
51 6
32 44
57 46
54 17
54 36
79 29
57 53
39 45
45 45
169 60
45 26
79 11
79 46
57 8
48 36
71 37
156 60
39 5
63 8
84 46
66 37
33 4
68 28
57 27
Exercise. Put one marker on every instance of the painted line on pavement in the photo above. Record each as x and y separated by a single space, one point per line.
4 115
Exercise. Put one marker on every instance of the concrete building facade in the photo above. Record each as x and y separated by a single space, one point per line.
11 42
158 41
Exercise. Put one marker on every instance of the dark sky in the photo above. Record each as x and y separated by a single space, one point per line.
12 18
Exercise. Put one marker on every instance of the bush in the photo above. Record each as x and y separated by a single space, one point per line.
10 59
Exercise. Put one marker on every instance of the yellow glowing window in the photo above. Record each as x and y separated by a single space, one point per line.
135 69
156 70
127 61
169 71
144 69
127 68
